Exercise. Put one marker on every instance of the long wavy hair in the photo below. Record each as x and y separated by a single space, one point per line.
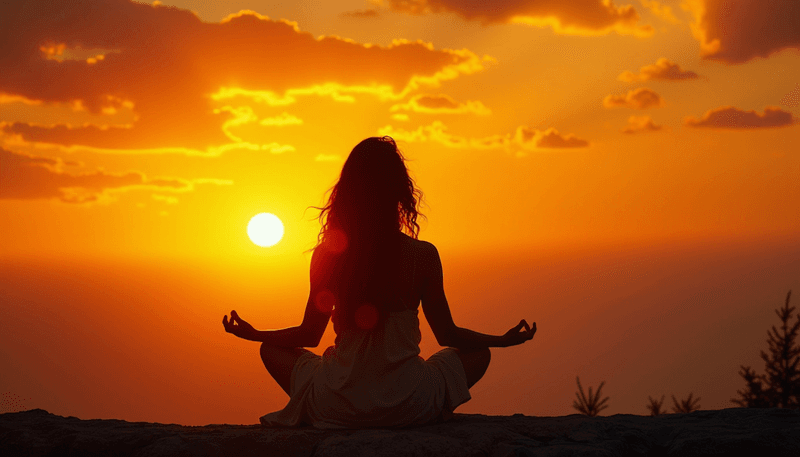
374 201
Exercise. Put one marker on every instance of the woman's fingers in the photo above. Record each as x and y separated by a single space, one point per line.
239 320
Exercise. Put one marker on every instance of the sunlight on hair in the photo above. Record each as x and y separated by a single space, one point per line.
366 317
265 229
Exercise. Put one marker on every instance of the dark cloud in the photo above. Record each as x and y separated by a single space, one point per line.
663 69
577 17
25 177
641 98
166 64
737 31
729 117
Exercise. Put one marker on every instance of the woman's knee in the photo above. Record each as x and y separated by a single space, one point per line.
485 356
475 364
269 352
482 359
272 355
265 349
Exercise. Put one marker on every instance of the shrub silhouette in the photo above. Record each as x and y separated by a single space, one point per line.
779 386
655 406
590 405
685 406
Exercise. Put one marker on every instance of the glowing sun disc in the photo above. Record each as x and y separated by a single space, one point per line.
265 229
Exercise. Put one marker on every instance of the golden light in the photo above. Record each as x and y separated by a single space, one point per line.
265 229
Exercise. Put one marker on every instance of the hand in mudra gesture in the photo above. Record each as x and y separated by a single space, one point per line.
238 326
520 333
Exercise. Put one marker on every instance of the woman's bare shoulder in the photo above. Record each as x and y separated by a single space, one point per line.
417 244
423 250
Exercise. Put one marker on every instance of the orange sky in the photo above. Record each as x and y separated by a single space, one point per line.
606 167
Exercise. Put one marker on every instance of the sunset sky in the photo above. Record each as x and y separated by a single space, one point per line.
624 173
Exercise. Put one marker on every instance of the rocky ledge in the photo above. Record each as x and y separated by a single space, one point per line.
735 432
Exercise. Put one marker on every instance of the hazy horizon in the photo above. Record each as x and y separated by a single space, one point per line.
83 339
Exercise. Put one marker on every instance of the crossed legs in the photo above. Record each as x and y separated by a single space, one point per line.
280 362
475 363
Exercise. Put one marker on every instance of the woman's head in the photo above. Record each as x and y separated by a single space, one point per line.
375 196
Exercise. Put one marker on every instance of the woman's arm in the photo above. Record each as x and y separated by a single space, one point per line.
307 334
437 312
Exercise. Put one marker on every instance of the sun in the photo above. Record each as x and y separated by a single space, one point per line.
265 229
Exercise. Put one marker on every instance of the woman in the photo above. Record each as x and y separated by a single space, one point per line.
369 273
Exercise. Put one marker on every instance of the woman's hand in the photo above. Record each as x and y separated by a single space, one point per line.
519 334
239 327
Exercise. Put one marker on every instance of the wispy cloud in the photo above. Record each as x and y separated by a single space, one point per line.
441 104
26 177
368 13
569 17
522 140
664 70
164 62
729 117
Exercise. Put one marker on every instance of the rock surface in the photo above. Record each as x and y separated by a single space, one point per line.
739 431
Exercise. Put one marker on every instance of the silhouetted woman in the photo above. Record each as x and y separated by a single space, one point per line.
369 273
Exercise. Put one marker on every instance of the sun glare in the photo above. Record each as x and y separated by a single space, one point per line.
265 229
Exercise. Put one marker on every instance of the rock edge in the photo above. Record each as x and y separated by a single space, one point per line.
736 431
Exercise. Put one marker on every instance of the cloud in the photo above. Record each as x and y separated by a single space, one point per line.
660 10
663 69
523 139
638 124
729 117
284 119
25 177
165 63
5 98
168 199
437 132
441 104
328 158
549 139
737 31
792 98
362 14
571 17
641 98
